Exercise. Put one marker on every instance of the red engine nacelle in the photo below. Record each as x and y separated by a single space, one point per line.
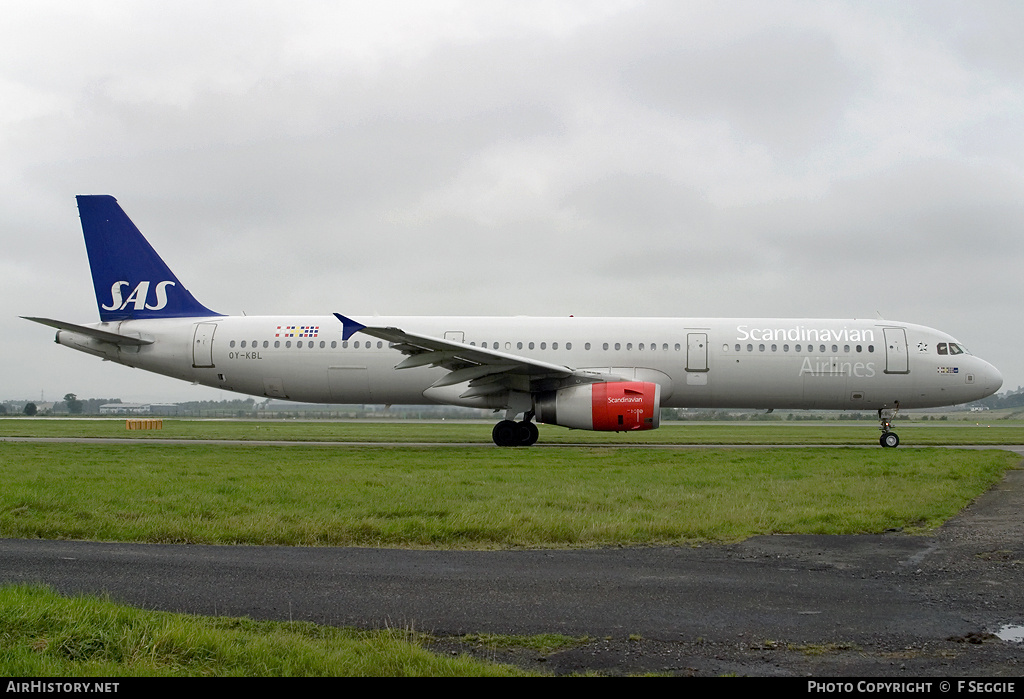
616 406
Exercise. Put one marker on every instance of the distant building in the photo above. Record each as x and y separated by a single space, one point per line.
125 409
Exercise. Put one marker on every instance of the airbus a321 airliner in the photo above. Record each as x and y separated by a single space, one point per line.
613 374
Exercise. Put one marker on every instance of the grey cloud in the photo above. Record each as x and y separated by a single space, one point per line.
665 159
782 87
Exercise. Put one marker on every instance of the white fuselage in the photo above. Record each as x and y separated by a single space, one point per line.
698 362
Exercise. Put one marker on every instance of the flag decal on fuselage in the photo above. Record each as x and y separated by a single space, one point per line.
297 331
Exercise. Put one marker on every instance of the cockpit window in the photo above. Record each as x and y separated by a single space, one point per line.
950 348
955 348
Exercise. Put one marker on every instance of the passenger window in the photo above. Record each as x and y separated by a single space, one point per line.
568 345
618 346
554 345
266 344
586 346
543 345
231 344
678 347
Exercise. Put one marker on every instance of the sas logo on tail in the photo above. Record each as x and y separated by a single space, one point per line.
139 296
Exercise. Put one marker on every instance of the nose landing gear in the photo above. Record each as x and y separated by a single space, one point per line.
888 438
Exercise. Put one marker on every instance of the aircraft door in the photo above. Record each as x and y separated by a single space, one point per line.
696 351
202 346
349 384
896 360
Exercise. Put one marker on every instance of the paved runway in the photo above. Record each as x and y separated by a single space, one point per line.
1018 448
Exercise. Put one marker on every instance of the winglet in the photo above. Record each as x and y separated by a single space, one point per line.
349 326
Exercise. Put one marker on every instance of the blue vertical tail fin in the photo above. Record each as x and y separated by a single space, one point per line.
130 279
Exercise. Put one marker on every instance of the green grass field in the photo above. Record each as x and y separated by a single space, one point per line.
477 497
433 496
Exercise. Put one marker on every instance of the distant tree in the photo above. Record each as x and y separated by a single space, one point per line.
30 409
74 405
3 409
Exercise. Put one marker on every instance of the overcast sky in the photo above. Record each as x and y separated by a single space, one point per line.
678 158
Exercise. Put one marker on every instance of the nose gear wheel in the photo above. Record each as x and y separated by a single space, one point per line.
889 438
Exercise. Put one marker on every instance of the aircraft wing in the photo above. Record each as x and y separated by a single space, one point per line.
486 370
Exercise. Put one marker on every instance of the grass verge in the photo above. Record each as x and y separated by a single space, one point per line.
43 634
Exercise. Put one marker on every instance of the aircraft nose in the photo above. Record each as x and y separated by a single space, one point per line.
989 379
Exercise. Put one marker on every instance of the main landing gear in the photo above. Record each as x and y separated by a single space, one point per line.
888 438
509 433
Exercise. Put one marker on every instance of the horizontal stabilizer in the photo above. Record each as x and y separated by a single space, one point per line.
102 335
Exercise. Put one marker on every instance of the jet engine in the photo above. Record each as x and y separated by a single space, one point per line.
614 406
